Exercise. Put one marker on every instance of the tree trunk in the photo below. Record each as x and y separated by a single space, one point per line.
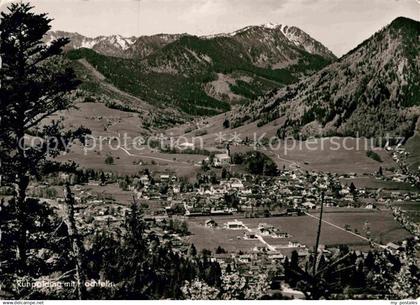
318 234
22 182
77 246
22 185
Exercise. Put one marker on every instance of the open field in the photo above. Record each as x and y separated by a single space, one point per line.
413 147
214 125
230 240
132 162
101 120
186 164
327 154
382 226
340 155
111 190
370 182
411 207
105 122
321 156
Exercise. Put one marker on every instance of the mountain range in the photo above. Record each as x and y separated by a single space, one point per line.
371 91
199 75
115 45
141 47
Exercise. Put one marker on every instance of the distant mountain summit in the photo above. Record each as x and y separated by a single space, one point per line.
292 34
114 45
146 45
371 91
287 50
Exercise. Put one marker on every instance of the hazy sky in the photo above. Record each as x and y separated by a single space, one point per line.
338 24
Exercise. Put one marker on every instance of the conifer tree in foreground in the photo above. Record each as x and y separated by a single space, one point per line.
76 244
35 84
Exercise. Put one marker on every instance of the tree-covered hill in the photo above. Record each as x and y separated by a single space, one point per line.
371 91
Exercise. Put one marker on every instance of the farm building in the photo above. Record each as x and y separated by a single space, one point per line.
164 178
210 223
294 244
234 225
187 145
249 236
309 205
221 160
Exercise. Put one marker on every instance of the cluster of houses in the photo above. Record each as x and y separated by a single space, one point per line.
93 211
224 201
291 193
400 155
